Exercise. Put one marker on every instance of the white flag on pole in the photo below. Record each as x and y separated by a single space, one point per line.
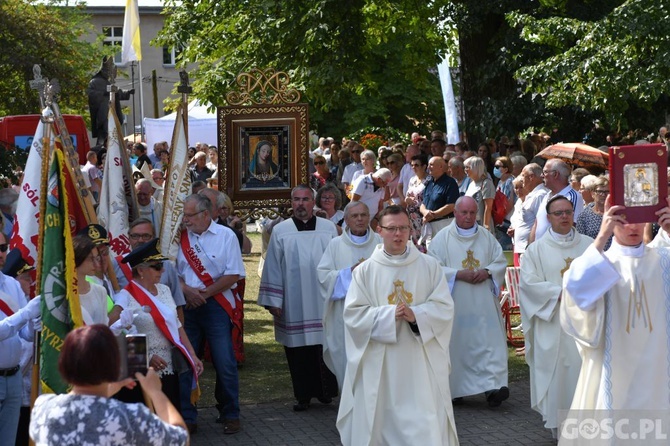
26 221
114 211
131 46
453 135
177 187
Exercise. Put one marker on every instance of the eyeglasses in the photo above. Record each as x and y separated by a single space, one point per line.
327 198
193 214
396 229
601 192
567 213
4 247
144 237
547 172
95 259
319 163
156 266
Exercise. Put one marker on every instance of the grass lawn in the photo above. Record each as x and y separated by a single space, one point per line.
264 377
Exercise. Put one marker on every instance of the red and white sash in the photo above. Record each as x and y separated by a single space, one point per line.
167 326
125 268
8 304
196 265
236 314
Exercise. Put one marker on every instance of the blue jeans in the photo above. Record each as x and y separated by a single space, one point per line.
212 321
11 393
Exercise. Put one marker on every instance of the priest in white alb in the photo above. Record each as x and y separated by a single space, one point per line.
290 290
551 354
398 315
474 266
342 257
616 304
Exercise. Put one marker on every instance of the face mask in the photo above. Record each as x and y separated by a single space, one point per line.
497 172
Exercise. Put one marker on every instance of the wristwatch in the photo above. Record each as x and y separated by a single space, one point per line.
487 271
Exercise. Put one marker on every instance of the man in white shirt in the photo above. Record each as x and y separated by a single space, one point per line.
532 182
355 165
209 264
556 174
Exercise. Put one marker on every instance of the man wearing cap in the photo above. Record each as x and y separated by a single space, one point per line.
199 170
209 263
149 207
16 316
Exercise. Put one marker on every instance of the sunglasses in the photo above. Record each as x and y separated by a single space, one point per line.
157 266
4 247
355 151
319 163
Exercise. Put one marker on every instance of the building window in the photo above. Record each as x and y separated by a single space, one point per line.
114 37
170 56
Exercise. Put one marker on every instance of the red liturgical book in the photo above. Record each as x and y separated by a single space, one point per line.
639 180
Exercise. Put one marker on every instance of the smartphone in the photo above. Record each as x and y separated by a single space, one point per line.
134 355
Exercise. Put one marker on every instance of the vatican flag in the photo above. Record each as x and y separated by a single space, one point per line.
131 48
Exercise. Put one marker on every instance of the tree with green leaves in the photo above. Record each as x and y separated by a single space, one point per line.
357 62
610 59
51 36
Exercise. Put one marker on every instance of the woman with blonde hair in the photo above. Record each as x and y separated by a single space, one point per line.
482 190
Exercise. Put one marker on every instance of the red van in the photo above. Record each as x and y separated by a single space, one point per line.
20 130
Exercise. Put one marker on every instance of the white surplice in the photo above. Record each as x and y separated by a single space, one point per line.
479 345
334 272
396 388
289 281
617 306
551 353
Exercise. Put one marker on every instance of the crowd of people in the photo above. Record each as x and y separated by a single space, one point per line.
383 252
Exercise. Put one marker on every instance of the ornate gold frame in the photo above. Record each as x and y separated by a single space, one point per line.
273 104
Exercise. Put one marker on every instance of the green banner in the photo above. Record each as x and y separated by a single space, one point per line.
61 311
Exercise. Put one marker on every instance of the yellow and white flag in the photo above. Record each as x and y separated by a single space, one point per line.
131 47
176 188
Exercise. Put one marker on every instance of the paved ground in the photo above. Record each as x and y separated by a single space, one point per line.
514 423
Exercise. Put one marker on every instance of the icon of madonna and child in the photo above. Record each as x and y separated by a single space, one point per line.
263 171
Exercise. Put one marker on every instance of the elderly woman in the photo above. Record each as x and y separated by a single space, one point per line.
167 343
329 202
369 160
414 197
89 361
590 219
481 188
93 297
322 174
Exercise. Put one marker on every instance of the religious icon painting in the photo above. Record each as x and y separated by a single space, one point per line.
639 180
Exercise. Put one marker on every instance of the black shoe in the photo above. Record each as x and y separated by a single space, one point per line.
325 400
301 406
458 401
496 397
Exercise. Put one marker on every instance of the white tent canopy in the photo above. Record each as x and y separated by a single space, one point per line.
201 126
